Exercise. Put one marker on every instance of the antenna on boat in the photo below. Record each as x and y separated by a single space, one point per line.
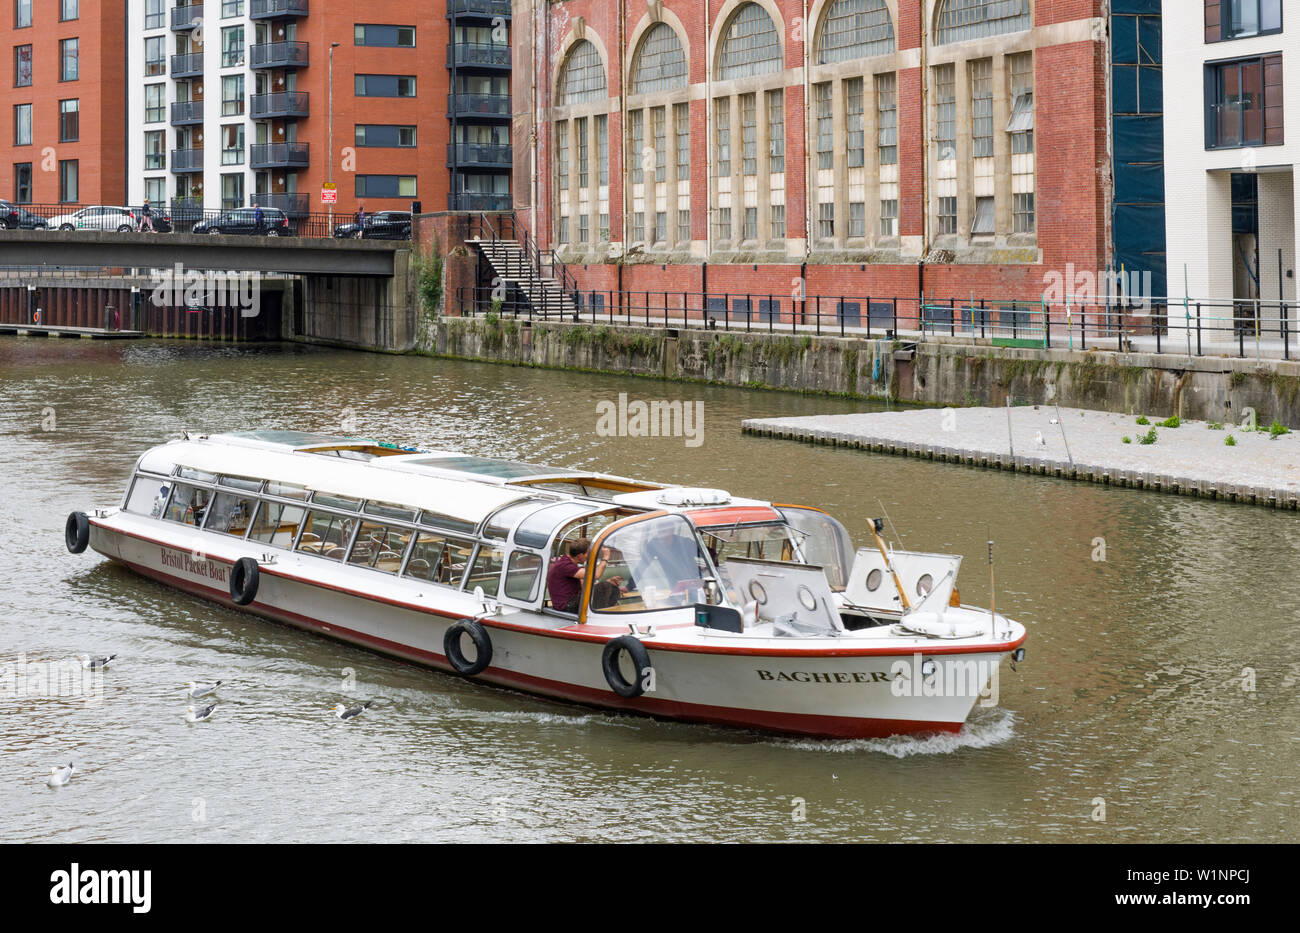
993 597
891 522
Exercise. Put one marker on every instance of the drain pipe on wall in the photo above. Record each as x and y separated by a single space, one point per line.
808 185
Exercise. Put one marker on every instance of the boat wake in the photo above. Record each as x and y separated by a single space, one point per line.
982 730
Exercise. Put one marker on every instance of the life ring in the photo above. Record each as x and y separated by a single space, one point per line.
640 661
76 532
243 581
482 646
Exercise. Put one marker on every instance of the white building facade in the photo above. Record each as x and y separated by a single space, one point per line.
1232 143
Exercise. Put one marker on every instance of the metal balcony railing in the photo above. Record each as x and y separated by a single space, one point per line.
280 155
290 104
184 66
185 17
479 105
486 155
187 111
279 55
478 55
487 8
267 9
468 201
187 160
295 205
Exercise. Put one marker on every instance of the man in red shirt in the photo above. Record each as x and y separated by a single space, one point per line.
564 579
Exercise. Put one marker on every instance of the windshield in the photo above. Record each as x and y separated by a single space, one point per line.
805 537
769 541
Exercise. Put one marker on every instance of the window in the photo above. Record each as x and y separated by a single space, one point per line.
383 136
155 62
1238 19
776 214
22 124
886 120
69 67
981 98
22 66
276 524
984 216
660 63
683 225
385 85
154 103
748 136
602 151
232 144
231 8
749 225
636 130
69 120
658 131
855 29
947 216
584 169
69 174
682 129
379 547
663 556
661 227
853 123
979 19
68 10
521 579
750 45
584 227
1244 103
391 37
722 226
23 182
232 95
232 191
562 155
231 511
945 137
385 186
826 220
326 534
188 504
232 46
583 77
889 218
486 571
155 191
1021 127
438 558
857 219
722 132
825 125
23 13
155 16
638 226
1022 207
776 132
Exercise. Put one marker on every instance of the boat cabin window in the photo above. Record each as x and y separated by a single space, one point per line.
386 510
330 501
188 504
148 495
521 579
826 543
438 520
503 522
661 565
241 482
199 476
326 534
771 541
230 513
438 558
379 546
486 571
286 490
276 524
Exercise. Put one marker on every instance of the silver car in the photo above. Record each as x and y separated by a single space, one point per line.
95 217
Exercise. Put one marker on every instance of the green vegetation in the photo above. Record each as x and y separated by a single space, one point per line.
1147 438
1278 429
1143 419
428 276
1126 439
1171 422
1230 441
1215 425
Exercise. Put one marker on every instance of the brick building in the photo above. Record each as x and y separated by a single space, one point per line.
66 139
873 147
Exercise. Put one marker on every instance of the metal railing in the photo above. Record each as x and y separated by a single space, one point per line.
187 160
270 155
479 154
504 227
186 17
190 63
286 104
479 7
478 53
279 55
187 111
264 8
473 105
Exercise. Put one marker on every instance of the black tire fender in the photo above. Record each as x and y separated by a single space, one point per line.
640 660
482 646
244 579
76 532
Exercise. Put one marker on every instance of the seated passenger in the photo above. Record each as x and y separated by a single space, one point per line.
564 579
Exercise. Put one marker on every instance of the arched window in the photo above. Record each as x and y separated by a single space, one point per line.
660 63
976 19
751 45
583 77
855 29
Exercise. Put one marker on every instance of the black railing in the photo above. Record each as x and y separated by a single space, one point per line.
478 7
184 66
472 201
279 155
187 111
279 55
479 154
185 17
479 105
295 205
482 54
187 160
263 9
290 104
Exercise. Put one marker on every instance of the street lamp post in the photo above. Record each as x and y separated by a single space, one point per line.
333 46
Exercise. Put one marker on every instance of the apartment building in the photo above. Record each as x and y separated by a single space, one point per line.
66 140
1232 79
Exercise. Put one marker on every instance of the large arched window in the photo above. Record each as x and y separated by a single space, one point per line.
750 45
660 63
855 29
583 76
977 19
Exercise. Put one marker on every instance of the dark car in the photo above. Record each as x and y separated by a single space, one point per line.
381 225
243 220
162 220
14 217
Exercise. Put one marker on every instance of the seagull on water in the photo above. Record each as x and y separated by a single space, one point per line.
197 690
199 714
351 712
95 664
60 776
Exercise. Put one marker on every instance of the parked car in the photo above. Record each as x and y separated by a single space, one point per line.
243 220
15 217
381 225
96 217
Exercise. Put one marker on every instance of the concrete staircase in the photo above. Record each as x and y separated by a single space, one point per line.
511 263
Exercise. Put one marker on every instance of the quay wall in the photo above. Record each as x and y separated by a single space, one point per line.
931 373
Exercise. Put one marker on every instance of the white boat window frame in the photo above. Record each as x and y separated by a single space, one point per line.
533 601
496 545
363 518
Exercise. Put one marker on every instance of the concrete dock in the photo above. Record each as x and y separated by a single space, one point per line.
89 333
1078 444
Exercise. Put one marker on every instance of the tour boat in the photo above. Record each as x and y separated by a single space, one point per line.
693 604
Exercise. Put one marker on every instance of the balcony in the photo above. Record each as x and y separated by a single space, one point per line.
187 66
476 155
279 55
484 8
187 17
469 201
292 104
185 112
280 155
271 9
487 55
479 106
187 160
295 205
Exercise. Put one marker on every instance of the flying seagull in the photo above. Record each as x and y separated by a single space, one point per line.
201 690
200 714
60 776
351 712
95 664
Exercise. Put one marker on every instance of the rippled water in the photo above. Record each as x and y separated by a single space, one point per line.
1134 690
